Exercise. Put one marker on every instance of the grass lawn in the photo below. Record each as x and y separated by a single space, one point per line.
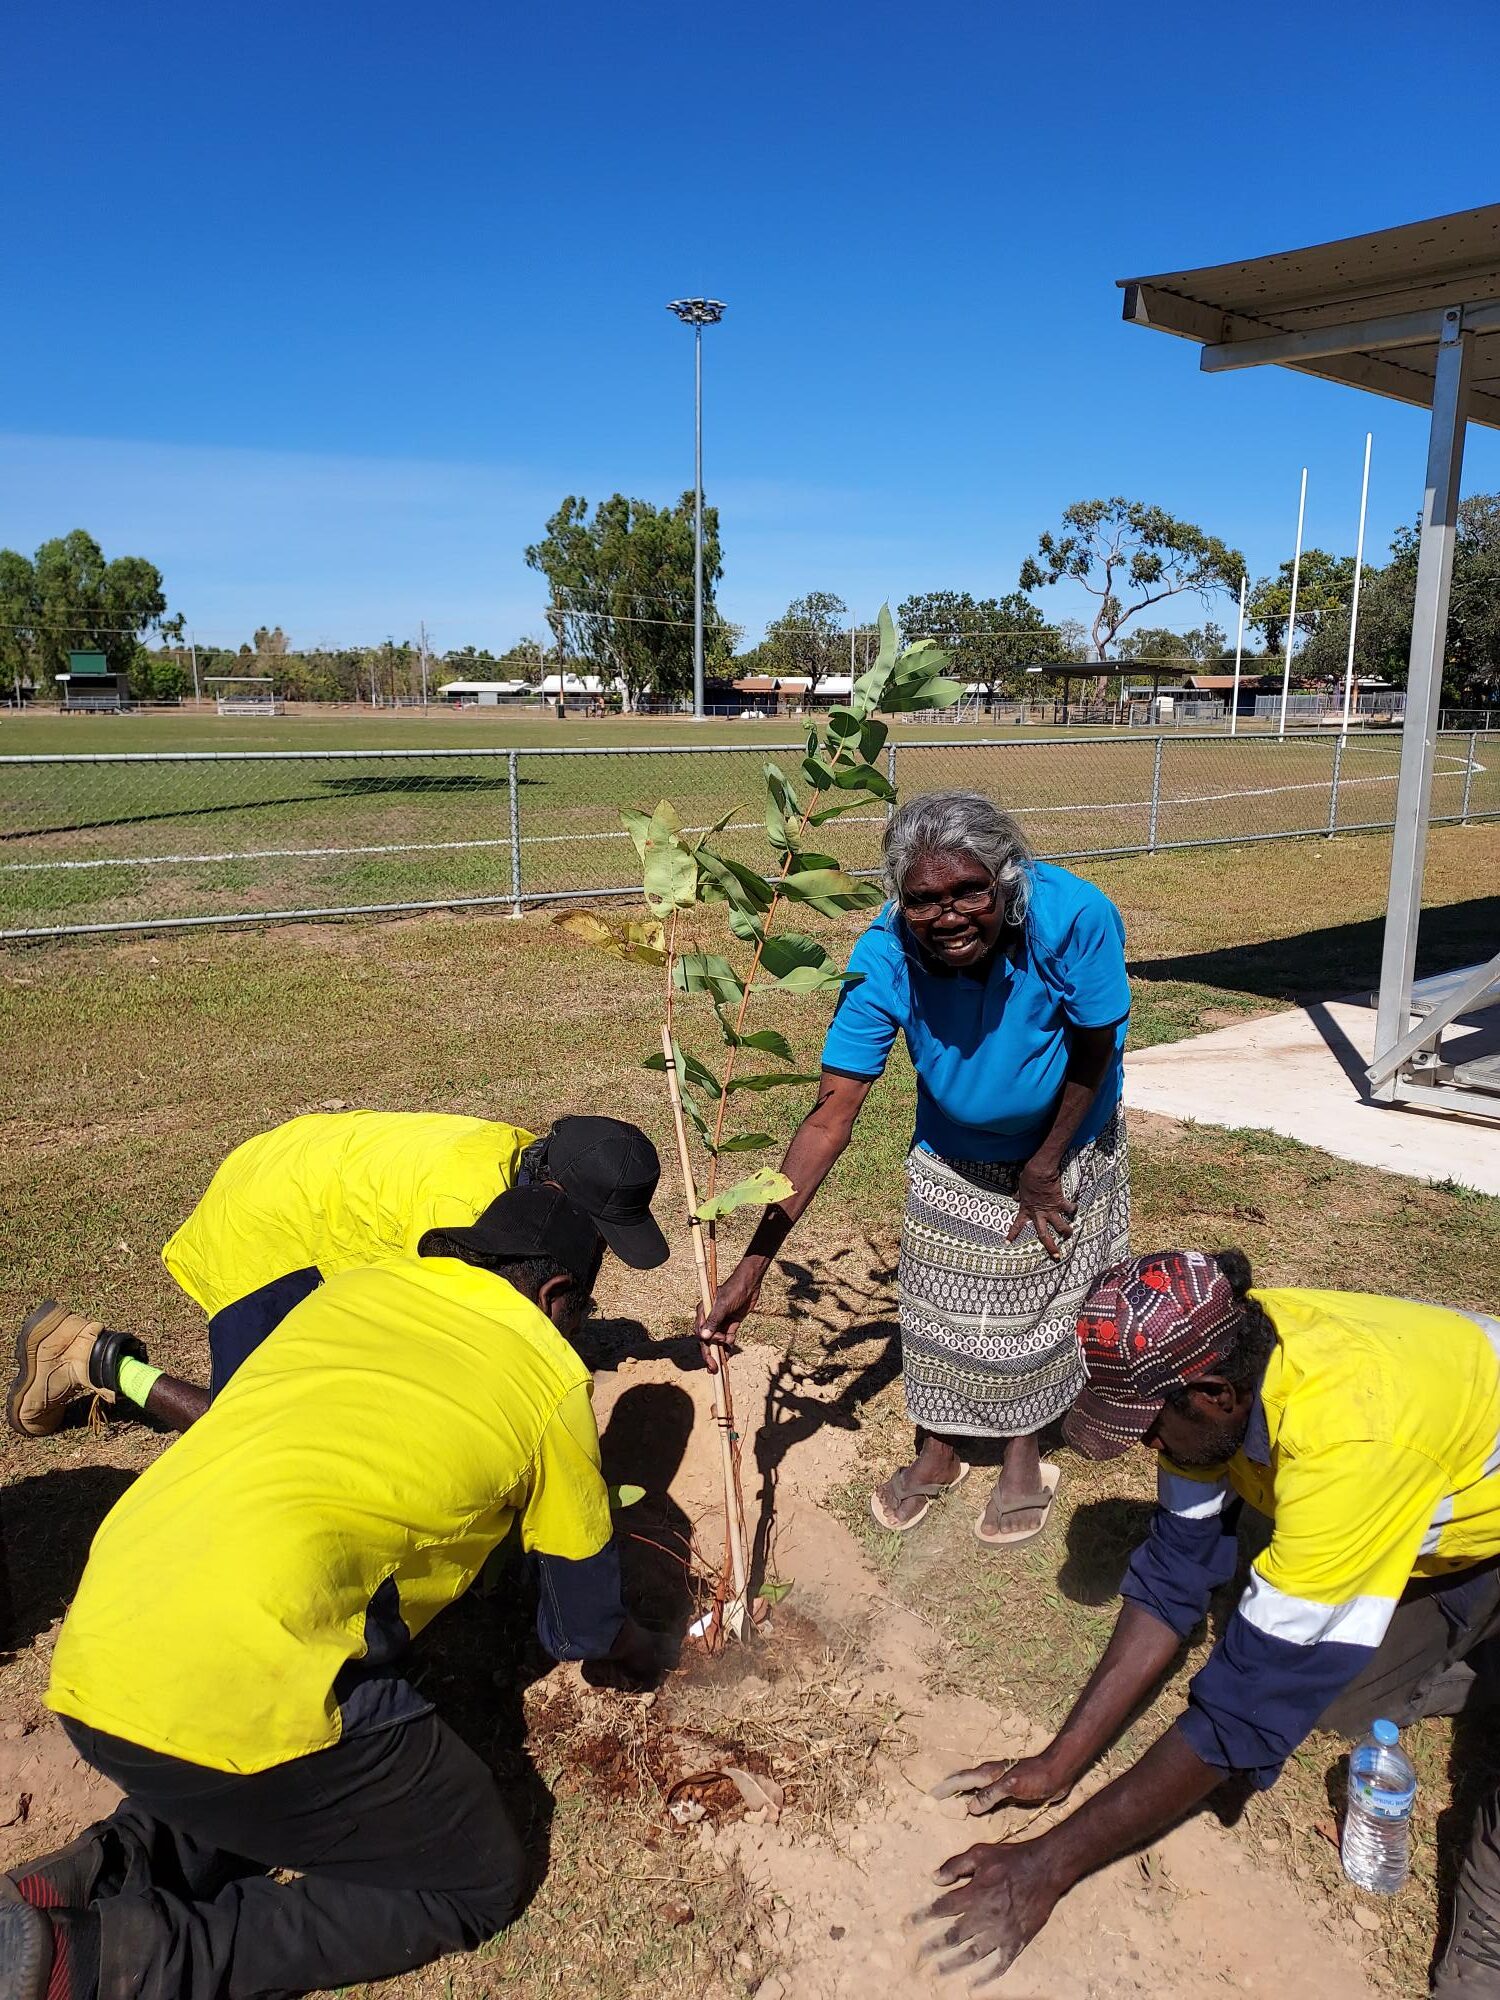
136 1064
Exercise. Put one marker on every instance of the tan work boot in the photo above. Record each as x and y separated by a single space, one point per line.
53 1351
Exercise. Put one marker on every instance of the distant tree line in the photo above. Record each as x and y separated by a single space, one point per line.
619 579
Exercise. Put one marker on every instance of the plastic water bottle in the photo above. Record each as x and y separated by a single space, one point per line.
1376 1848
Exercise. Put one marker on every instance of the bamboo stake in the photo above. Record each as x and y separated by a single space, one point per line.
723 1394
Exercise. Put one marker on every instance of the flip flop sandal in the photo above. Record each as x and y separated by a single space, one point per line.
1022 1503
911 1489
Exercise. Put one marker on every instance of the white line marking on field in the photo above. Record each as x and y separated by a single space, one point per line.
1459 765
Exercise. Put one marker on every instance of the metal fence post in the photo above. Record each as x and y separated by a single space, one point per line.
1333 789
515 831
1155 795
1469 773
890 772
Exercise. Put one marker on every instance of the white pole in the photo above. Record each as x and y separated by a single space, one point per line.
193 649
1359 559
1239 654
1291 618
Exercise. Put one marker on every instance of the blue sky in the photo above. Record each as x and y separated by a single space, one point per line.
324 307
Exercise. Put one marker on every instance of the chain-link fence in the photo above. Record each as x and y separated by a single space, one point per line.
147 841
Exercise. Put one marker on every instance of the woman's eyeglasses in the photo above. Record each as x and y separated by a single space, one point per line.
967 903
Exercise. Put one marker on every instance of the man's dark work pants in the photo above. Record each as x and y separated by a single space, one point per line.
1440 1652
403 1843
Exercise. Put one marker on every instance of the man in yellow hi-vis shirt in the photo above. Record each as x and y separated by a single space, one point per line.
324 1193
1368 1431
232 1655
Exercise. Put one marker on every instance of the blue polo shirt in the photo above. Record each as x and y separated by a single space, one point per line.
990 1047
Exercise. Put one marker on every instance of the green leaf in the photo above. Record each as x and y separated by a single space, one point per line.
935 693
781 806
745 924
869 689
627 1496
689 1071
696 840
872 738
769 1041
843 725
772 1593
818 774
830 890
791 949
764 1185
866 778
833 812
703 972
732 882
806 980
772 1080
671 871
747 1142
636 823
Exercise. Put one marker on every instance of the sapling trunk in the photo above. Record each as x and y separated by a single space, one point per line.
723 1393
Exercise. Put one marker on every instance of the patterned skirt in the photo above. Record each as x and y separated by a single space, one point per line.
989 1328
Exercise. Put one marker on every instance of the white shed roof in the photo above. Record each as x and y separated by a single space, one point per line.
485 687
1367 310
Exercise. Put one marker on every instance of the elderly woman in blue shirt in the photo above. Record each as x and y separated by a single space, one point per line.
1006 976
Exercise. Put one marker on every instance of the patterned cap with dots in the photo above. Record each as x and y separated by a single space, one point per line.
1149 1326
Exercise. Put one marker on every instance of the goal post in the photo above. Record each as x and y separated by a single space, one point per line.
245 694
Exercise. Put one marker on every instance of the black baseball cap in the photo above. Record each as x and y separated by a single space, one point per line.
534 1222
610 1170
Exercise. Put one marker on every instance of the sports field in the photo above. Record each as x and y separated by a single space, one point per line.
151 827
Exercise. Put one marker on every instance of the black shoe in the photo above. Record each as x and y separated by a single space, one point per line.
67 1880
1470 1967
25 1948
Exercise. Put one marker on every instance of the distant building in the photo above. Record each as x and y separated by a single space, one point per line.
485 694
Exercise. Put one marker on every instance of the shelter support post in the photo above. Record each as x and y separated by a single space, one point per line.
1424 686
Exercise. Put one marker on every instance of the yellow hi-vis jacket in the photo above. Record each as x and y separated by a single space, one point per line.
249 1598
336 1191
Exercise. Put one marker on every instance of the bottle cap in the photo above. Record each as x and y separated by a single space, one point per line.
1386 1733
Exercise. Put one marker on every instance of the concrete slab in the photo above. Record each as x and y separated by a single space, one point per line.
1301 1074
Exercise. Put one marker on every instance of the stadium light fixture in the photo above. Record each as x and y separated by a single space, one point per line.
697 313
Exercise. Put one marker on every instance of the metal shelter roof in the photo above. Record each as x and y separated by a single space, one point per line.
1367 311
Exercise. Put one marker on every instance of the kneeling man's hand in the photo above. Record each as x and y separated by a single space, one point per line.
1004 1897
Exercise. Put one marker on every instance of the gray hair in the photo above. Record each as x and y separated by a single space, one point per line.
961 823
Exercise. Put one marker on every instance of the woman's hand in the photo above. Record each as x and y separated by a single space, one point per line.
1041 1202
1010 1781
718 1331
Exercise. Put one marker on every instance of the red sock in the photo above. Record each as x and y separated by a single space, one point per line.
75 1955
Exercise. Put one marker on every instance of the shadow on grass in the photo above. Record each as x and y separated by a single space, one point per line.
1102 1535
46 1526
414 784
1337 958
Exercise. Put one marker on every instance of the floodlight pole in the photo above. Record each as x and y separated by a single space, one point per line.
1239 654
193 649
1359 559
1291 619
697 313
